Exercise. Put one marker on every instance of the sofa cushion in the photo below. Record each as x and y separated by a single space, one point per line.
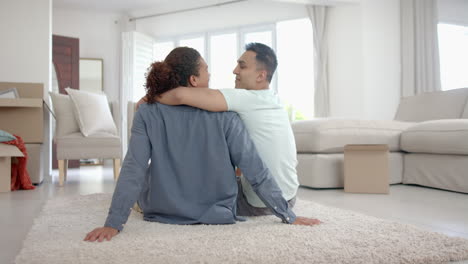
448 136
331 135
418 108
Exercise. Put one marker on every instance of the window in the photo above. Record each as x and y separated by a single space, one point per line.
197 43
143 58
161 49
292 42
264 37
453 50
296 67
223 60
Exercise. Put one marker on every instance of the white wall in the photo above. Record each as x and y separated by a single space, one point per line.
381 57
345 61
364 59
453 11
26 43
26 49
99 35
219 18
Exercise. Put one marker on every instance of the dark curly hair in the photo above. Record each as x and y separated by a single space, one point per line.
266 56
174 71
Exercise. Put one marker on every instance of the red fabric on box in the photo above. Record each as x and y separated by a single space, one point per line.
19 174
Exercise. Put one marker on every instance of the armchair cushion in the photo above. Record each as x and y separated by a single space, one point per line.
92 112
447 136
98 145
331 135
65 118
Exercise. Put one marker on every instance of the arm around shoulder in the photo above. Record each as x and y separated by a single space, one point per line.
203 98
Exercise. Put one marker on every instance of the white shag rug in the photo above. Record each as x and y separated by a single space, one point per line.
345 237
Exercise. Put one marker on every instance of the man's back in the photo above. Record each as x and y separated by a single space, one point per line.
268 125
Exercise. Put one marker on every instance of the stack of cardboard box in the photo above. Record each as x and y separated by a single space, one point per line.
24 116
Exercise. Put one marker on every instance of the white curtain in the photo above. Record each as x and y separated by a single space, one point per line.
420 69
318 17
137 55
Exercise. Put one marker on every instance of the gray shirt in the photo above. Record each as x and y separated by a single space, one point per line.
191 178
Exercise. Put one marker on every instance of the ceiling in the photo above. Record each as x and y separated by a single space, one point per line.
117 6
140 7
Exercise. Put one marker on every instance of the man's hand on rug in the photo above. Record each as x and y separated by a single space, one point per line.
306 221
100 234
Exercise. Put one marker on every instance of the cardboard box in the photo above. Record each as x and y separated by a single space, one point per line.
24 116
366 169
6 153
35 163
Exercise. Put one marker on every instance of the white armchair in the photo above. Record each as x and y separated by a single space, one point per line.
76 138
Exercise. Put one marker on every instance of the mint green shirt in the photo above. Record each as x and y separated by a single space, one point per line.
268 125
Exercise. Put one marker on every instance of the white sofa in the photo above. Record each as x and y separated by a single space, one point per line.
428 142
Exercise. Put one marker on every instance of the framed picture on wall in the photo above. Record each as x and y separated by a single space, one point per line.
11 93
